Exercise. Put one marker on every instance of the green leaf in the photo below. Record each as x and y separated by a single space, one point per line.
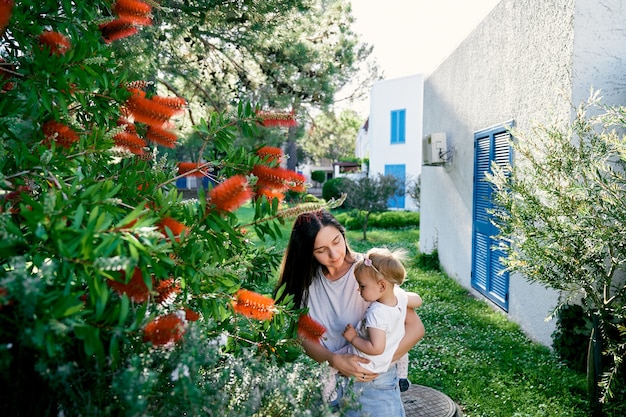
67 306
124 308
114 350
78 216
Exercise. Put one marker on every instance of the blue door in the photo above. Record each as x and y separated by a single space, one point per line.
488 276
398 171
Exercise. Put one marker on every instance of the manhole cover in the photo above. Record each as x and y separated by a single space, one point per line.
421 401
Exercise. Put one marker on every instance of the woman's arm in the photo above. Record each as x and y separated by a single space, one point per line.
414 300
413 333
345 364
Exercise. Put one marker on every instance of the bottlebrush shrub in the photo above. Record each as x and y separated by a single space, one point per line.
112 288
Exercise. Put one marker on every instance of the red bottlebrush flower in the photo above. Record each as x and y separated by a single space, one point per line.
178 229
134 10
15 198
271 177
6 8
191 315
60 133
137 92
276 118
137 85
167 290
148 111
130 141
230 194
56 43
253 305
270 194
297 182
117 29
192 169
164 330
136 289
161 136
176 103
270 153
309 328
4 295
128 125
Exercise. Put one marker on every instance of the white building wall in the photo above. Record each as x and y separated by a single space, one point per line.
361 150
529 61
600 50
395 94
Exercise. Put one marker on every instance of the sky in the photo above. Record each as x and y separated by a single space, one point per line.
415 36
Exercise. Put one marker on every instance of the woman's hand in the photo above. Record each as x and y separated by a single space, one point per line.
345 364
350 365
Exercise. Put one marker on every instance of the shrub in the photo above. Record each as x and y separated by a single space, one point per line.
571 338
428 261
318 176
333 188
117 296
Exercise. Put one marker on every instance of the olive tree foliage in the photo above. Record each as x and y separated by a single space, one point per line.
80 216
561 214
291 55
369 195
332 136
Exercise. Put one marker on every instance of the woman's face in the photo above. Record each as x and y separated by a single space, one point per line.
330 247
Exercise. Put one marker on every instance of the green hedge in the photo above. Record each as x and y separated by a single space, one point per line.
383 220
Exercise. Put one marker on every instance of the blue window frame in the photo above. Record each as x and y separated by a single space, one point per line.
398 171
398 126
488 276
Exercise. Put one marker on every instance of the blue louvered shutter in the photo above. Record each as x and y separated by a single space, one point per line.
398 171
488 278
398 126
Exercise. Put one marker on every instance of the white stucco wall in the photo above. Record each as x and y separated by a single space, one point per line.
399 93
528 61
361 149
600 50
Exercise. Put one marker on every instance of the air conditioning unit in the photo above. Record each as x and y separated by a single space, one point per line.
434 148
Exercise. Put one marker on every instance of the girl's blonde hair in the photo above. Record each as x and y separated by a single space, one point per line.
382 263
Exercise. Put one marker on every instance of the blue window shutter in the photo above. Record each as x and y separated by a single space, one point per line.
402 126
398 171
398 126
488 276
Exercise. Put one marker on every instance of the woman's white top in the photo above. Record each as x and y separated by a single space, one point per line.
335 304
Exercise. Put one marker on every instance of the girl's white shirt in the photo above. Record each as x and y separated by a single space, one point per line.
389 319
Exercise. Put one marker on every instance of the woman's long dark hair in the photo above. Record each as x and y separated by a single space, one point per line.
299 265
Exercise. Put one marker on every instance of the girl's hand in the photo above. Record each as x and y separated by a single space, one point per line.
349 333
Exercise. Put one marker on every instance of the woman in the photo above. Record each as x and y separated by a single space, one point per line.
318 271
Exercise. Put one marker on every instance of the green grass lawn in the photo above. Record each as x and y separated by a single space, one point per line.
472 353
